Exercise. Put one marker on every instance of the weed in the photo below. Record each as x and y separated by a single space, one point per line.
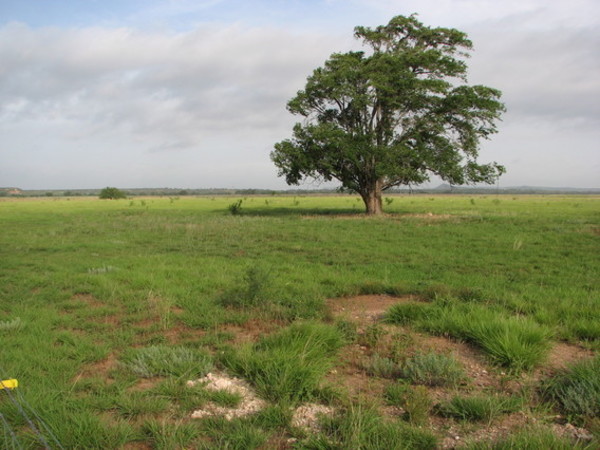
162 360
432 369
235 435
372 335
382 367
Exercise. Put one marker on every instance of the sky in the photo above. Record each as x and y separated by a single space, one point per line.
192 94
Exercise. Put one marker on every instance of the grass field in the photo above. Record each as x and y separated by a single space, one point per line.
452 321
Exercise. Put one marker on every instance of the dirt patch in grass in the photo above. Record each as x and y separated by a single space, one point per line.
251 330
363 308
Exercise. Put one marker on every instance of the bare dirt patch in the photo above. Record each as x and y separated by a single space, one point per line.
364 308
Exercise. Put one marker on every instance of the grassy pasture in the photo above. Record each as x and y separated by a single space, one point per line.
90 289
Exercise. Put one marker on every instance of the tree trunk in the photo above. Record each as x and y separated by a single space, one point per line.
372 198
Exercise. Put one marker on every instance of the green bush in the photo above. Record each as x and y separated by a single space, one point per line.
112 193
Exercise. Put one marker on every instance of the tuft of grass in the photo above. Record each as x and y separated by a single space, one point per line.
576 389
517 343
139 403
161 360
170 435
251 291
236 434
532 439
481 408
288 366
432 369
10 325
361 427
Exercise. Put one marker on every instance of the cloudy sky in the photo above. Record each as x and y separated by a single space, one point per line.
192 93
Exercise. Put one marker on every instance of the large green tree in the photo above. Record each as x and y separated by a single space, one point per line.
393 115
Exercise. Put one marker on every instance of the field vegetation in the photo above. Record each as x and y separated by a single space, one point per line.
463 321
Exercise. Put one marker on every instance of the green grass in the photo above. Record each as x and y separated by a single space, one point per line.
88 286
432 369
288 366
479 408
576 390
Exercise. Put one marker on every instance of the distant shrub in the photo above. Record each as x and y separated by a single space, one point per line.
235 208
112 193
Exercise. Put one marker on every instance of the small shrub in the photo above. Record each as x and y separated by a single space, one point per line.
235 208
112 193
417 404
162 361
576 389
372 335
382 367
432 369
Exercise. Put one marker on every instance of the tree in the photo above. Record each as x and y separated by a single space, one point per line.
392 116
112 193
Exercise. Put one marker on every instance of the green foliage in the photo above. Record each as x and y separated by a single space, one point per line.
234 435
162 360
479 408
576 390
433 369
288 366
391 116
112 193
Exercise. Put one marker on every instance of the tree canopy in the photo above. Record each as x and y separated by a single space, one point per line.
393 115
